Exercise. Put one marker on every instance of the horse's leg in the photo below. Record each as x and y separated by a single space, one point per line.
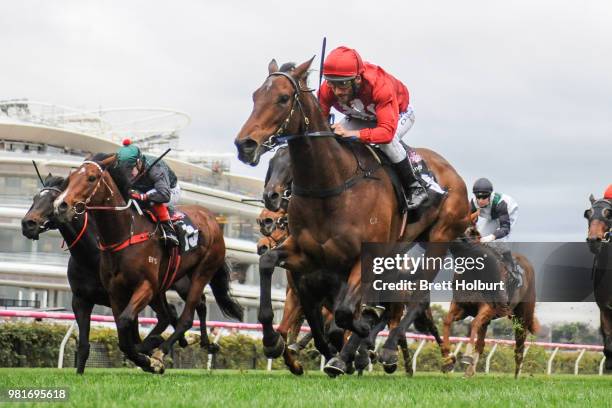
82 312
403 343
349 299
273 343
388 354
477 334
606 331
366 353
312 312
126 316
425 324
289 327
205 343
448 360
520 335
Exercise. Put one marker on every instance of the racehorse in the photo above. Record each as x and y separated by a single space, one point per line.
599 217
83 270
134 266
520 306
277 193
341 196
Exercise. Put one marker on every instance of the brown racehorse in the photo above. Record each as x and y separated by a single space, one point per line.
599 217
135 276
521 306
341 197
83 270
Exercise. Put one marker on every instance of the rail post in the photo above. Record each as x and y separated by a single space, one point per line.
550 361
60 358
489 358
577 363
416 354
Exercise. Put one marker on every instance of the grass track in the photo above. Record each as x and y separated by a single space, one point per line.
228 389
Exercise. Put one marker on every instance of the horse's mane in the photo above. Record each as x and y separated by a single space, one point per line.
118 173
99 157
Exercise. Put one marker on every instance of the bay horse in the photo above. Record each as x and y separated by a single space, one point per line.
277 193
599 218
83 270
134 265
341 197
520 307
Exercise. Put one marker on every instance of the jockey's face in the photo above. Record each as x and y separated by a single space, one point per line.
483 202
343 91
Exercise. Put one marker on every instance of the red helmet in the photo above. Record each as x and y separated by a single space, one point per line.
608 193
342 64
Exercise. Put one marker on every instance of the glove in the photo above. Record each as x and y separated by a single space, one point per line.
138 196
488 238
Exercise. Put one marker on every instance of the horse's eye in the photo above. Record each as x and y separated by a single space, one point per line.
283 99
91 179
588 213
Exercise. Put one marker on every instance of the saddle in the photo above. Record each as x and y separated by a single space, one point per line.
188 234
421 171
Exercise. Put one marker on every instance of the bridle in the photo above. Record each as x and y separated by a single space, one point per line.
279 137
603 205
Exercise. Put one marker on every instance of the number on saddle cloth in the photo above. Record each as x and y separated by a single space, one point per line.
188 233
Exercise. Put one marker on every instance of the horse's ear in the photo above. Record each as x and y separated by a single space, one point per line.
272 66
591 199
302 69
109 160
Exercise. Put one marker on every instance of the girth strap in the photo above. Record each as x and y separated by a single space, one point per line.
132 240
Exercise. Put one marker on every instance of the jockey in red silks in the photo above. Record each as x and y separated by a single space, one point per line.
376 108
608 193
158 186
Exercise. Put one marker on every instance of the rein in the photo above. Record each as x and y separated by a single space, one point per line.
280 138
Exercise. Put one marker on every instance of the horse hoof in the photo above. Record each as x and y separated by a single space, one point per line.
359 373
296 368
362 361
156 365
389 368
469 372
467 360
276 350
182 342
350 369
449 364
213 348
409 372
294 349
608 365
335 367
388 358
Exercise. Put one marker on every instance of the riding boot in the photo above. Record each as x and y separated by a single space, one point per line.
514 271
168 233
415 191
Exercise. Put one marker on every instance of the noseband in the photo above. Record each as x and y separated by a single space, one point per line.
279 136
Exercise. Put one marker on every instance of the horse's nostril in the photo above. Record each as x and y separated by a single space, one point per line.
29 224
63 207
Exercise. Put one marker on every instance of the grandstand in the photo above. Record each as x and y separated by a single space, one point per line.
33 273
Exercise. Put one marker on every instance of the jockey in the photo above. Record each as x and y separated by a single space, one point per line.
608 193
159 183
376 109
497 214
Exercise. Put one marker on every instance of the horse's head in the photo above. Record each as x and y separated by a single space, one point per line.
277 110
40 217
277 189
269 221
599 217
264 245
87 184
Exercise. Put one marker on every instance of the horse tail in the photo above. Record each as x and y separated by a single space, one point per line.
221 290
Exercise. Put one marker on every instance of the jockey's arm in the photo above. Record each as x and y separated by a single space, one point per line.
161 183
504 220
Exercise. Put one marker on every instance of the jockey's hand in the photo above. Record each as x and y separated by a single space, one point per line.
488 238
341 131
138 196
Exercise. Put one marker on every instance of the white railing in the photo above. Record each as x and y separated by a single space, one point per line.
256 328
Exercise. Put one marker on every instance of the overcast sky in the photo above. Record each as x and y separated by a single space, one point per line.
519 92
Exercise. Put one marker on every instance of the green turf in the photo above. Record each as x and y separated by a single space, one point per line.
228 389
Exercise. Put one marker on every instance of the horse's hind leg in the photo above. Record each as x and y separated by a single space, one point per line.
272 341
205 343
520 335
448 360
82 311
478 331
388 354
403 343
